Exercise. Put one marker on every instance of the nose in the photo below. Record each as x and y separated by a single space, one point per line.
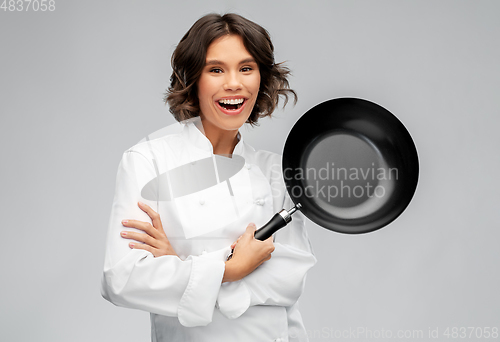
232 81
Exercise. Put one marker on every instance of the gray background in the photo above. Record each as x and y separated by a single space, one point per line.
83 83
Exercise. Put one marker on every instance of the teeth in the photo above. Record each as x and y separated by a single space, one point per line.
231 101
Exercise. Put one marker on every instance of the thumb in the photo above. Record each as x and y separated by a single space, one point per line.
251 229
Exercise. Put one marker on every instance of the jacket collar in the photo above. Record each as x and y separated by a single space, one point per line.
195 137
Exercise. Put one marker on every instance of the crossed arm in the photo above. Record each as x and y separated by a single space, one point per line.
249 253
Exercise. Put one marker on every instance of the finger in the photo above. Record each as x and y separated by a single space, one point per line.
141 237
271 248
251 229
270 244
144 226
270 240
155 217
142 246
236 242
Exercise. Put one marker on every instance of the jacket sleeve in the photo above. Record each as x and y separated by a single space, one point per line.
278 281
134 278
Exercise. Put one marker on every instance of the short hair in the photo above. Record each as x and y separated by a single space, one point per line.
189 58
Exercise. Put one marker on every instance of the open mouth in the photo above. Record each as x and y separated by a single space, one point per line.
231 104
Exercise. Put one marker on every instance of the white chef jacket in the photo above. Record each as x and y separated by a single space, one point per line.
184 294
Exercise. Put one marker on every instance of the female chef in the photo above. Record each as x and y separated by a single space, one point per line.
176 267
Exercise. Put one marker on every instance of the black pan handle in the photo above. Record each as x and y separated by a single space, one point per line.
277 222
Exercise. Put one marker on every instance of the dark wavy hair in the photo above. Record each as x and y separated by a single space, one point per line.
189 58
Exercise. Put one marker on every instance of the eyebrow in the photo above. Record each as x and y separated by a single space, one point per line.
217 62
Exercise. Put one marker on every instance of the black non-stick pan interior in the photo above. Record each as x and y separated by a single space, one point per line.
351 164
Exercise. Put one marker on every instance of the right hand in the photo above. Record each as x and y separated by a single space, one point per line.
249 253
154 239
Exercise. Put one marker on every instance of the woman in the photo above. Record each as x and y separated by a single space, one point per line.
176 267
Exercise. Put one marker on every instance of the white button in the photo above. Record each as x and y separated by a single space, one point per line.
248 166
260 201
202 201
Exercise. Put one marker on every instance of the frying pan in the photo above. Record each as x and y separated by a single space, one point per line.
349 165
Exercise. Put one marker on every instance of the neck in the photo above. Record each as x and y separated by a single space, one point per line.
223 142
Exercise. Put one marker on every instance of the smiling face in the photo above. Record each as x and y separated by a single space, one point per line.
228 85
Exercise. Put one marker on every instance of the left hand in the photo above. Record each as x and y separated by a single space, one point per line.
154 238
249 253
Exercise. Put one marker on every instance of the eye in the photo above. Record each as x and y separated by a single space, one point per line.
216 70
246 69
